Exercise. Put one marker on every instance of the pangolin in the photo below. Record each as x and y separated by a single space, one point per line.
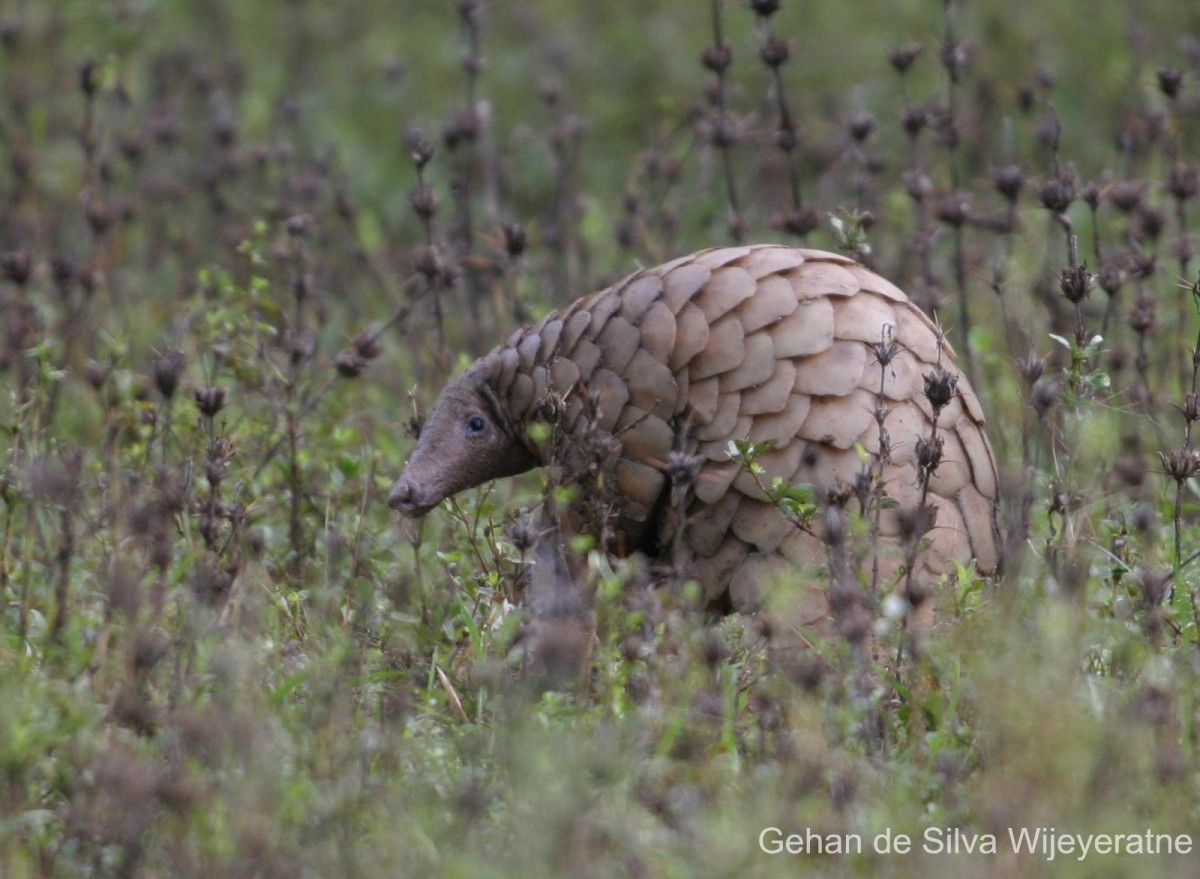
765 343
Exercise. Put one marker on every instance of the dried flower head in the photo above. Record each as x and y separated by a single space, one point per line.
514 239
798 222
902 57
419 147
16 266
1182 463
682 468
210 400
860 125
1170 81
914 120
929 452
954 209
775 52
1009 181
1058 192
1127 195
764 8
1075 283
349 363
424 201
167 371
1183 181
367 345
1032 368
717 58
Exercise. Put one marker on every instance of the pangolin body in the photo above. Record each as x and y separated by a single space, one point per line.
765 343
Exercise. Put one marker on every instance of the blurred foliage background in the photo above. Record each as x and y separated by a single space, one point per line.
243 244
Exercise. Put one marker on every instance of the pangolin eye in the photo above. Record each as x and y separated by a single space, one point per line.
476 425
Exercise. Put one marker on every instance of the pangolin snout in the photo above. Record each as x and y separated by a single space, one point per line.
409 499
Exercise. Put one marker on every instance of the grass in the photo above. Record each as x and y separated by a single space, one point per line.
232 279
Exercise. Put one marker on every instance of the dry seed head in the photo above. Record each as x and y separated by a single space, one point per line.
1045 396
902 57
1182 463
835 521
885 350
367 345
438 270
724 129
419 147
298 225
1075 283
775 52
1150 222
424 201
955 209
929 451
462 127
915 521
860 126
1191 404
1057 193
210 400
1183 248
1170 81
764 8
1153 583
1111 277
798 222
1032 368
514 239
300 344
10 32
955 57
1127 195
914 120
1142 317
62 270
521 535
1008 181
220 453
940 386
349 363
717 58
1049 131
917 184
1144 265
97 373
785 137
864 482
683 468
89 81
17 266
1183 181
167 371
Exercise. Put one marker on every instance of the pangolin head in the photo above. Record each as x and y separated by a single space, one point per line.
468 440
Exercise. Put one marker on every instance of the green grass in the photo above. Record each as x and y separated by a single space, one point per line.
221 654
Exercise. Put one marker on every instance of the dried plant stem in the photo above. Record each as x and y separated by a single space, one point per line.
724 128
62 582
952 62
774 53
885 351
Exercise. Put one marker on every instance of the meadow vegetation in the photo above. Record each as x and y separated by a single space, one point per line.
243 245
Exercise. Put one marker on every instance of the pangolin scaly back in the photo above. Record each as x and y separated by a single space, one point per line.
765 343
